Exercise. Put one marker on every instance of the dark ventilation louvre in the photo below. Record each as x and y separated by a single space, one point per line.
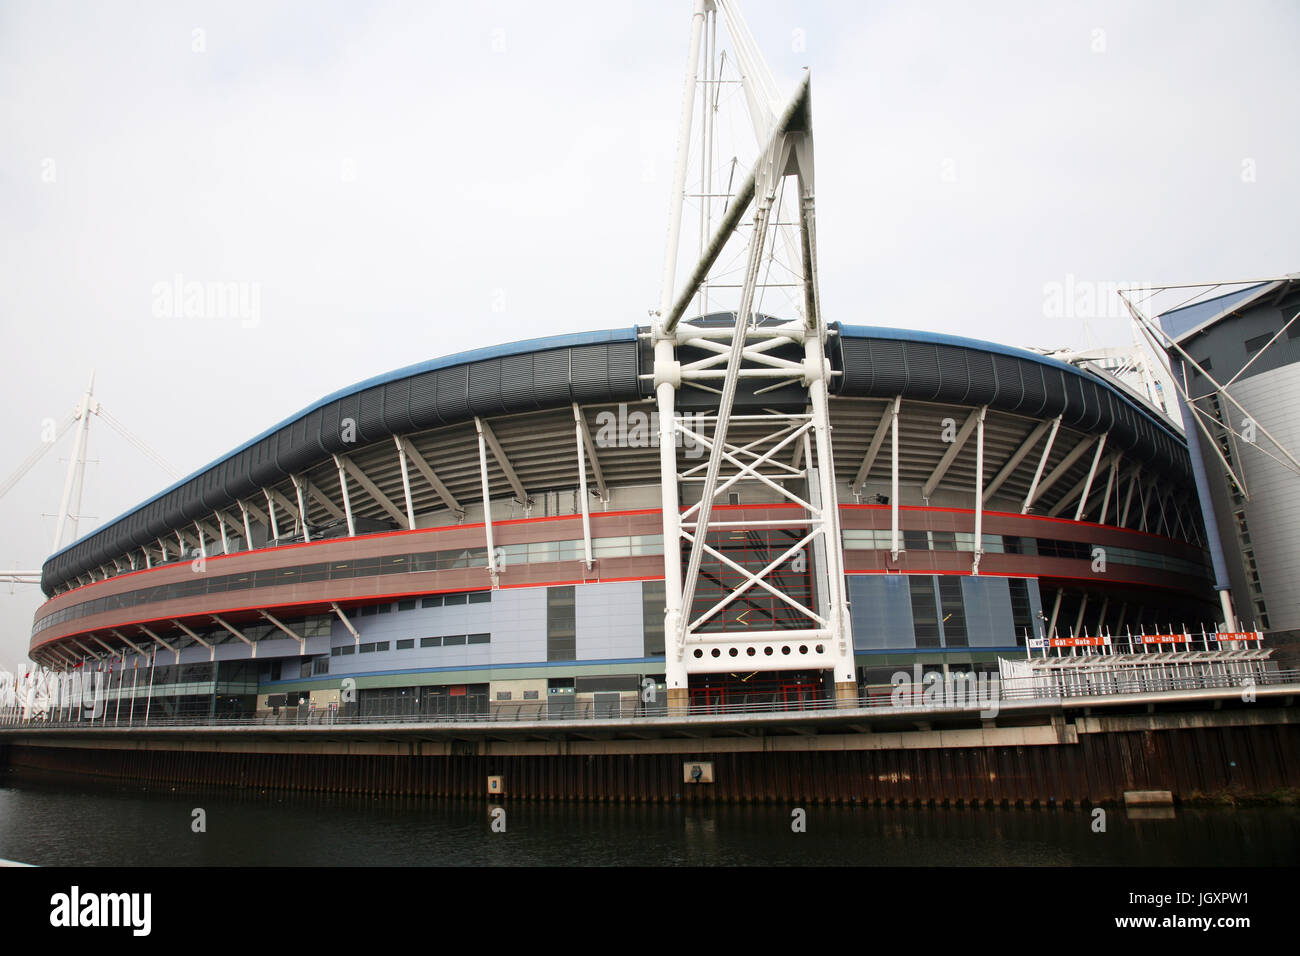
922 370
370 423
331 435
857 378
214 489
590 371
350 420
262 466
424 401
622 361
1054 401
1089 405
235 478
313 432
954 375
173 512
397 407
888 367
453 393
1033 380
1076 410
485 387
157 521
987 378
517 392
551 377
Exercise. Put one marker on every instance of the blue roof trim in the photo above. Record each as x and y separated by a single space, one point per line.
960 341
460 358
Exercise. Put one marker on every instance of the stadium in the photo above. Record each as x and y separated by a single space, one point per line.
485 533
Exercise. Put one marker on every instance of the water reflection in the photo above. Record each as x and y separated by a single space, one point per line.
57 820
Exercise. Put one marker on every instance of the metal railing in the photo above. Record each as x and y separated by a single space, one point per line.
960 694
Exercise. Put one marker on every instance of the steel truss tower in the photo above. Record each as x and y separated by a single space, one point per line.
787 452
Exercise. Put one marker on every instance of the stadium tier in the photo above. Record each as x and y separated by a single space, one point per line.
484 532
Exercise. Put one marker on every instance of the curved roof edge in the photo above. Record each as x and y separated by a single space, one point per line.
540 344
962 341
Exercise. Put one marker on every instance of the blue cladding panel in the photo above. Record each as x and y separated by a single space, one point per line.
881 612
988 612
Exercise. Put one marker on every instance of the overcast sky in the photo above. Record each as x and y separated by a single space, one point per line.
398 181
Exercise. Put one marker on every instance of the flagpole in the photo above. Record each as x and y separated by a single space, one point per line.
135 679
148 701
120 677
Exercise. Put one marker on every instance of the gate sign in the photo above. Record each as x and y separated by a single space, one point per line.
1240 636
1166 639
1080 641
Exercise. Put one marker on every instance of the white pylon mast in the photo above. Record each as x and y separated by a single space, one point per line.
74 483
786 454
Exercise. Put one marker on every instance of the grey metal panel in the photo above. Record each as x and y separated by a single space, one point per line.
987 602
621 358
589 372
881 611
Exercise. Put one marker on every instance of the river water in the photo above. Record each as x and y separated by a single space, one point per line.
69 821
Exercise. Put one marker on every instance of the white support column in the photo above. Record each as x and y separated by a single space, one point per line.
300 493
1042 463
203 546
893 480
347 500
582 484
373 490
979 490
270 512
1128 497
1016 458
1110 486
1092 472
487 503
1064 465
148 560
225 539
248 528
422 466
406 481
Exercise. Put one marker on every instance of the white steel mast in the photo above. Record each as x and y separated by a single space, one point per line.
787 454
